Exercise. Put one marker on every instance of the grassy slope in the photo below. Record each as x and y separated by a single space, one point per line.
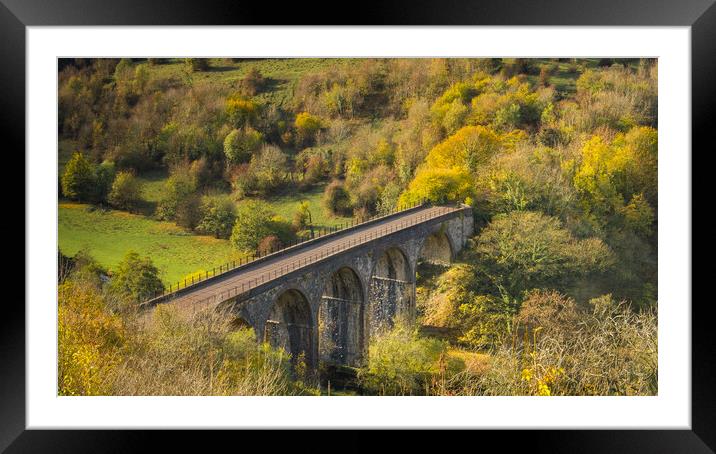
108 235
281 73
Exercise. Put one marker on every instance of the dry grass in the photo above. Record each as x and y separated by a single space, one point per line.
172 355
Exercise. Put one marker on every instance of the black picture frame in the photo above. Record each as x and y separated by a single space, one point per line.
16 15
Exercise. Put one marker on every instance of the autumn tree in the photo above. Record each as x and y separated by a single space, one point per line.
126 191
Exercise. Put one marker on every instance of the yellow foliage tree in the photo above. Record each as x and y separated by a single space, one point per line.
612 173
438 185
89 341
468 148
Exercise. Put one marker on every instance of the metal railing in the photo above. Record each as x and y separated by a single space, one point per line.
247 286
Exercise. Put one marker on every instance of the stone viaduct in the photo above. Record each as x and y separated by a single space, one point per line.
324 298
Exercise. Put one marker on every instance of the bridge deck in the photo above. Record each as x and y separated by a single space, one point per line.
240 281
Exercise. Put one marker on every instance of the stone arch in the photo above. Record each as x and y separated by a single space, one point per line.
437 248
290 326
340 318
393 263
392 290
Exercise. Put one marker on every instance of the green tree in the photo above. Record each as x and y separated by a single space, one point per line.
105 176
523 250
126 191
218 217
178 190
253 223
136 278
78 180
401 363
302 216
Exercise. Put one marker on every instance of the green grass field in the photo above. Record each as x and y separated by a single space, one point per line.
108 235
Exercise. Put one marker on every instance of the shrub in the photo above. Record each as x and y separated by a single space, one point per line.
301 217
268 169
240 144
126 191
241 111
307 126
608 351
253 82
401 363
203 354
105 176
547 310
188 211
336 199
136 279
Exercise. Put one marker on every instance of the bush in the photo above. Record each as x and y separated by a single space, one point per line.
268 169
253 82
307 126
301 217
241 111
136 279
401 363
105 176
607 351
126 191
203 354
218 215
240 144
336 199
188 211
